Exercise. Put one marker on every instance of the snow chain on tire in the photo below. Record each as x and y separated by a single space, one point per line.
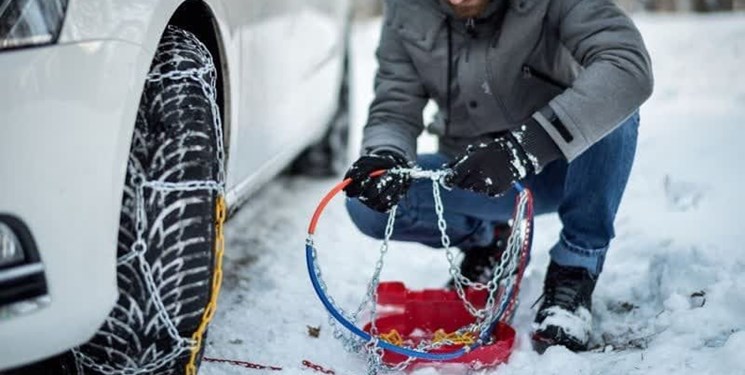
171 231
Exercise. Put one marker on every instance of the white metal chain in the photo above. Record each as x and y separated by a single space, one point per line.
206 78
504 276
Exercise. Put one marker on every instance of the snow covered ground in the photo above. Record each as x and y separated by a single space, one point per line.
670 301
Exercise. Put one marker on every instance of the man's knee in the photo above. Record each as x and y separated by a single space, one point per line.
368 221
628 130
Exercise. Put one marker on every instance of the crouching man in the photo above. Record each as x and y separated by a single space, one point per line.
542 92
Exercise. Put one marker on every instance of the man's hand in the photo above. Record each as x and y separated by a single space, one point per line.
379 193
492 168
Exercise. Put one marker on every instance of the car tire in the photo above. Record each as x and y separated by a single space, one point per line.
329 156
175 141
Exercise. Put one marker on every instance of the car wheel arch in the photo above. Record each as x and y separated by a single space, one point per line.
198 18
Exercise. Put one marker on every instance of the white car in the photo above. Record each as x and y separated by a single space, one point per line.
123 124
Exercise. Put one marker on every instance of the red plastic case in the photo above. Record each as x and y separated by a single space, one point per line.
416 315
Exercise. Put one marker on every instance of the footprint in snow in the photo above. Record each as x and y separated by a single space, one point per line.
682 195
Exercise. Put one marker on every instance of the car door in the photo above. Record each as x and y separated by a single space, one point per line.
289 74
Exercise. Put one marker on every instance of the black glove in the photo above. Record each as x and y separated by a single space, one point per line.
492 168
379 193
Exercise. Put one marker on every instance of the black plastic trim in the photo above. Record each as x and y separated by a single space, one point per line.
23 288
555 121
27 286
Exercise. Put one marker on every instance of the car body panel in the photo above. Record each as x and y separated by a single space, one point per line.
63 185
68 113
277 118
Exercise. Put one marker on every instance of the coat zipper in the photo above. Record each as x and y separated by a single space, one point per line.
449 79
529 72
471 27
471 31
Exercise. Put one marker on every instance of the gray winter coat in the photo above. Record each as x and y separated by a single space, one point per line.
579 67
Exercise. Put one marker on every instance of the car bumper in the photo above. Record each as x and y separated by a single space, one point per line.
65 130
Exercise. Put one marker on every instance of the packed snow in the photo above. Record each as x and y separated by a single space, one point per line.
670 300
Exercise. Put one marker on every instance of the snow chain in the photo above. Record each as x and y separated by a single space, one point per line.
206 77
498 305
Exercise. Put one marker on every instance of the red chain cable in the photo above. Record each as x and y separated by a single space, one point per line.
524 255
317 368
254 366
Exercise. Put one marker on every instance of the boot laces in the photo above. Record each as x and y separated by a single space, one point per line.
563 296
566 289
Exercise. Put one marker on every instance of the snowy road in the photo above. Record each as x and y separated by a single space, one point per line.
670 300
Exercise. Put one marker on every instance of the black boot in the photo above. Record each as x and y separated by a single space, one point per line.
478 262
565 316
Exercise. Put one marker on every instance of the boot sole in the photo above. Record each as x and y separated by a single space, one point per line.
555 336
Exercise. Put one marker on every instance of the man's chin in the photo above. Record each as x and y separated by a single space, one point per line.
471 11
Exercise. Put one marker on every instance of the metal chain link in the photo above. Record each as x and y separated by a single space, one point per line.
206 77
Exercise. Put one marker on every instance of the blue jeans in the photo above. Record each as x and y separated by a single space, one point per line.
586 194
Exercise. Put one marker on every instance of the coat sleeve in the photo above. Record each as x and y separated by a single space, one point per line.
395 117
615 80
